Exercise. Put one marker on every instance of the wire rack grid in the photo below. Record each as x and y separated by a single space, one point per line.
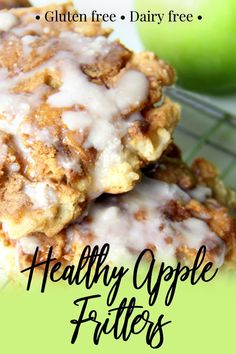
207 131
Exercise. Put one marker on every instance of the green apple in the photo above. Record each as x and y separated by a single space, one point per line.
202 51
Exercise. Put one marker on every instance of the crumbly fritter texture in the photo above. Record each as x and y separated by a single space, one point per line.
218 209
206 173
171 169
172 213
77 118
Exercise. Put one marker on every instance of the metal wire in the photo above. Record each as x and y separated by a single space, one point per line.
208 139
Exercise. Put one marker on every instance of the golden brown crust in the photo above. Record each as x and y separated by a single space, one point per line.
44 148
109 65
68 244
159 72
30 162
172 169
208 174
216 210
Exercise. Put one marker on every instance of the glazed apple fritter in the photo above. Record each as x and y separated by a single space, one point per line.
77 118
172 213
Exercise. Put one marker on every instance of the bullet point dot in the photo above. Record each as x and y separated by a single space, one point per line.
199 17
122 17
37 17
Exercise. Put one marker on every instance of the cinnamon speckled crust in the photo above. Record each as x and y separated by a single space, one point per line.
218 210
47 167
208 174
42 149
116 211
171 169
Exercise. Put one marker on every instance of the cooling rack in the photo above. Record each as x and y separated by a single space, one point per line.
206 131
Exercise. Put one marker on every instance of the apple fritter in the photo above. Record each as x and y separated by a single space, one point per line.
173 218
80 115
